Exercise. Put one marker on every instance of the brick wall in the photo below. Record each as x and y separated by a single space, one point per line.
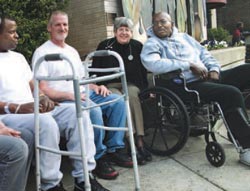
232 12
89 22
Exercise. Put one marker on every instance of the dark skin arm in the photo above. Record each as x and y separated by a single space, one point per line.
45 105
213 75
203 73
199 71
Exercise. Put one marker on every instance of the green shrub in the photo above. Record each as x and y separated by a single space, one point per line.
31 17
218 34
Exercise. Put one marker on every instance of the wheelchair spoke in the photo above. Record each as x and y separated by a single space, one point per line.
154 135
158 123
163 139
165 121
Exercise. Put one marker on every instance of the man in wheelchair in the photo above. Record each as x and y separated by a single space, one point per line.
167 50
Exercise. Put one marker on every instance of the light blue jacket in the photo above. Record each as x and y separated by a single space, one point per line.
176 52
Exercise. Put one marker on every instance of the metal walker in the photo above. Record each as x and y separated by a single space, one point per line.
118 72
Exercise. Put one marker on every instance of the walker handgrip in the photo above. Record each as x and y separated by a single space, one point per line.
101 53
52 57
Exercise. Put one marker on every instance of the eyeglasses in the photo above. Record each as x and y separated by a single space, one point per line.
161 22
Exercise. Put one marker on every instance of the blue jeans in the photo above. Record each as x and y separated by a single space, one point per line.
115 116
15 159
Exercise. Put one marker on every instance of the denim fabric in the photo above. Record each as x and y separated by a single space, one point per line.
161 55
13 163
115 116
19 182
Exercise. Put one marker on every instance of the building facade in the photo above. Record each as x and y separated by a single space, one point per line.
232 12
92 21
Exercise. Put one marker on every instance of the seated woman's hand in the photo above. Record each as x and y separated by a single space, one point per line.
101 90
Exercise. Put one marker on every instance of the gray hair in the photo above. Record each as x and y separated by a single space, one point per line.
123 22
53 13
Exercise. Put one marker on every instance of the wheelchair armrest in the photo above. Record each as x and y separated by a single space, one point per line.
175 78
176 74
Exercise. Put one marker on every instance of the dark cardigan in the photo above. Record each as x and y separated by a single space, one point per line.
135 71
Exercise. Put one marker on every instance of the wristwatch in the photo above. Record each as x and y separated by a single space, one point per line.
6 108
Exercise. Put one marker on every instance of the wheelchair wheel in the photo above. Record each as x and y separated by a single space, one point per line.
215 154
166 122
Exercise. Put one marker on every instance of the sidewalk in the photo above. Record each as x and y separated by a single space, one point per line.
188 170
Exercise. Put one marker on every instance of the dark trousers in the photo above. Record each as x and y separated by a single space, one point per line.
227 92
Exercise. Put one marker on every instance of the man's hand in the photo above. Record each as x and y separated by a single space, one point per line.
213 75
199 70
4 130
101 90
46 105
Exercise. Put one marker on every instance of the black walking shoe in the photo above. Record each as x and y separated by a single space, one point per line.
140 158
120 158
104 170
95 186
58 187
144 153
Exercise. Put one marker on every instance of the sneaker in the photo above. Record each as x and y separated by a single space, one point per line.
104 170
245 157
144 153
95 186
58 187
120 158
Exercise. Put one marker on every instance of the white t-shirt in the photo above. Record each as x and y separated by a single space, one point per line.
15 75
58 68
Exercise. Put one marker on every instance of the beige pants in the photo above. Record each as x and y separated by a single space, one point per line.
135 106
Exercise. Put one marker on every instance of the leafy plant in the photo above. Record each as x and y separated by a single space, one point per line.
219 34
31 17
217 38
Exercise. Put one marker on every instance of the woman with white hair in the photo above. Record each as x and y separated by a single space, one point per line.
136 75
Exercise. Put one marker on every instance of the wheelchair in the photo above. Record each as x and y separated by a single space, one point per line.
169 119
